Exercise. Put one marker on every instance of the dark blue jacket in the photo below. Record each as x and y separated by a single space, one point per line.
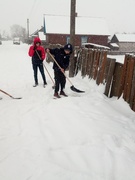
61 57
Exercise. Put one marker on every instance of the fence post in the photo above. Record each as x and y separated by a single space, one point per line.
116 79
102 65
84 62
122 78
132 95
109 76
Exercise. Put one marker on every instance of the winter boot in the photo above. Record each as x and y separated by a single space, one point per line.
35 85
56 95
45 83
63 93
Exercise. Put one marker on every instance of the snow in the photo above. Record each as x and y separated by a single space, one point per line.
125 37
80 137
119 58
114 45
41 36
84 25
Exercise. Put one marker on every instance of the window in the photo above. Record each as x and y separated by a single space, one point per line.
84 39
68 39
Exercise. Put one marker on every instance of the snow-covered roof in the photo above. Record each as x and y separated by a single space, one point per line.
41 36
114 45
84 25
125 37
95 45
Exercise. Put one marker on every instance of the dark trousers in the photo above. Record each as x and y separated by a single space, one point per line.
35 69
60 81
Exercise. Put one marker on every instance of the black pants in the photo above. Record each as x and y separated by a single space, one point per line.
60 81
35 69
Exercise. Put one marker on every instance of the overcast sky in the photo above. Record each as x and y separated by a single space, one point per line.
119 14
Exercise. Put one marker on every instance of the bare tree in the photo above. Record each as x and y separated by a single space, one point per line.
18 31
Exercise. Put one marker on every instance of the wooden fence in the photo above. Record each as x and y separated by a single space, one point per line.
118 78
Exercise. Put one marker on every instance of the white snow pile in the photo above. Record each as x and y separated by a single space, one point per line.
85 136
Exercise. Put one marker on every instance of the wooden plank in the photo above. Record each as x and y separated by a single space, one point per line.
127 79
123 75
83 69
130 71
116 79
133 108
96 65
89 61
132 95
99 67
92 61
109 77
107 68
102 64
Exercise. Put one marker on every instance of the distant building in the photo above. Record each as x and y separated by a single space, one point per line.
40 34
123 43
88 30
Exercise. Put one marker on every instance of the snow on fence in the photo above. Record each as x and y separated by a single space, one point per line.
118 78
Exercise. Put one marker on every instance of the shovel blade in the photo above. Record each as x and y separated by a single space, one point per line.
16 97
76 90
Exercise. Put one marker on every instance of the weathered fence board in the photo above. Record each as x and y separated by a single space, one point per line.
84 62
116 79
130 70
132 96
102 64
96 65
123 76
109 76
90 57
125 90
93 57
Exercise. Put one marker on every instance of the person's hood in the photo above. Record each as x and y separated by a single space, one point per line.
37 40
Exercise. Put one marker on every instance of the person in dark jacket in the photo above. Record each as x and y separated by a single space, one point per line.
38 54
62 56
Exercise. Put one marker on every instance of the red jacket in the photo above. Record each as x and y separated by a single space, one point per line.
37 52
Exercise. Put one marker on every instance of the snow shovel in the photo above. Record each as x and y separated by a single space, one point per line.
72 86
9 95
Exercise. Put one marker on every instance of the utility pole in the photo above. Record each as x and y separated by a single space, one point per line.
72 36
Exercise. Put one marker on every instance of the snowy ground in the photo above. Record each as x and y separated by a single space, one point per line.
81 137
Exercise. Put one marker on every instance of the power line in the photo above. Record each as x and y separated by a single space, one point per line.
60 15
32 8
56 15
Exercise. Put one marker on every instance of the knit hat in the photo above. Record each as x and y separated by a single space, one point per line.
68 47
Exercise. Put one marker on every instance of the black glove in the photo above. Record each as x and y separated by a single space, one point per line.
34 48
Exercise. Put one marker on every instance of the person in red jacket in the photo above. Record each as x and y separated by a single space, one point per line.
38 54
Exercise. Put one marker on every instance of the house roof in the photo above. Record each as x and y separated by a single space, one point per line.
41 36
114 45
86 26
92 45
125 37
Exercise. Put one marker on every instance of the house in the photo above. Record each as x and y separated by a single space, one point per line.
87 30
124 43
40 34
